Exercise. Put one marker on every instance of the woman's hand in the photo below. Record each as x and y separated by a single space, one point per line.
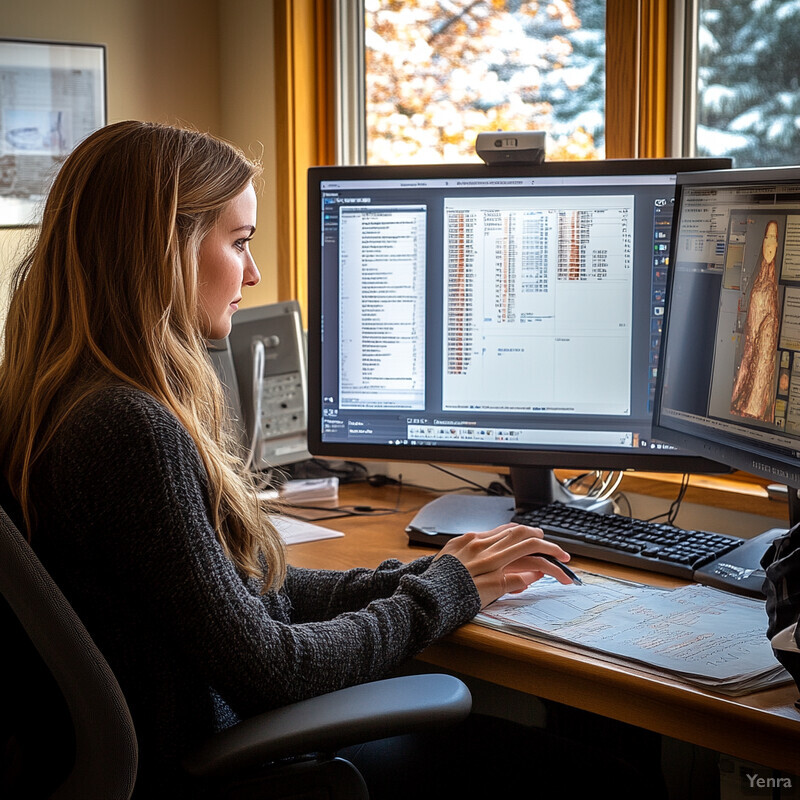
504 559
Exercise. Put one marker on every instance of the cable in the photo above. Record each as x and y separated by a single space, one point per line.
259 358
672 512
475 484
349 511
352 472
383 480
676 503
576 480
593 490
603 485
338 511
622 496
610 491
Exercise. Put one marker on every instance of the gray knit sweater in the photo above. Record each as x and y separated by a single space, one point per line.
124 528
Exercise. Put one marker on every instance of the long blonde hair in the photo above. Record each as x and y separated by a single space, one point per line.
108 294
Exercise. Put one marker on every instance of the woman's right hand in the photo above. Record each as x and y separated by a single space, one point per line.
504 559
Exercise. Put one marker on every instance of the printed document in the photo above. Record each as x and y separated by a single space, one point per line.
697 633
296 531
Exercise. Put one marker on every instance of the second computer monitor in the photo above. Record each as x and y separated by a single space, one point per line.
494 315
731 381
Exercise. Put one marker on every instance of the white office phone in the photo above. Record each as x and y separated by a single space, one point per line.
262 364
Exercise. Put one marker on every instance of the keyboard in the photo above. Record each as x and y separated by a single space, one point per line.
651 546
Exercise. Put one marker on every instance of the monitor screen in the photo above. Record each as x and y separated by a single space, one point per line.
729 385
491 315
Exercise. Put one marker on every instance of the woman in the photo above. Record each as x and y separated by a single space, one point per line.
754 387
113 443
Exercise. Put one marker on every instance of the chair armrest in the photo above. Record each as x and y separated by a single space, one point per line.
331 721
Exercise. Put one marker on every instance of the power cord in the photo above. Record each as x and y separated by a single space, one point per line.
603 486
671 514
494 488
380 481
676 503
352 511
339 511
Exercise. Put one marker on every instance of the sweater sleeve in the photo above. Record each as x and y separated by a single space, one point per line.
128 482
322 594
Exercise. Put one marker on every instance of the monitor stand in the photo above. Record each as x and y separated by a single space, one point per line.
453 514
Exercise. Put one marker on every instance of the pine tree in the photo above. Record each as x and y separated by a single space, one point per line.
748 100
578 102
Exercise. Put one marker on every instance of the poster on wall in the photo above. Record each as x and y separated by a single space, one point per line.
52 95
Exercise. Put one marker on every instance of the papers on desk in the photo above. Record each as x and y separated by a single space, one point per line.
697 634
295 531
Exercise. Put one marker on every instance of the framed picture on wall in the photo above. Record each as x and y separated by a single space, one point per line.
52 95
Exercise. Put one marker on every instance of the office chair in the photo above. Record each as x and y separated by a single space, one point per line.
102 730
284 753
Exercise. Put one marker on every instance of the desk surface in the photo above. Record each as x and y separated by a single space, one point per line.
763 727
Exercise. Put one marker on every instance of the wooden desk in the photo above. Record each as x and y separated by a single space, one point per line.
763 727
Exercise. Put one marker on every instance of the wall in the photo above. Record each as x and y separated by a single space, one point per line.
247 117
204 63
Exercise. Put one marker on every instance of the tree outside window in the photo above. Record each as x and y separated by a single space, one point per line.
438 72
748 104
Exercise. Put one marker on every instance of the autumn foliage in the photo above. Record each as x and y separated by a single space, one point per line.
438 73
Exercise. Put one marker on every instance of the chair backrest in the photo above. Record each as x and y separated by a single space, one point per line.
105 746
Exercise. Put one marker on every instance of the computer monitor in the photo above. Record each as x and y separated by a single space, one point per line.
729 379
495 315
262 366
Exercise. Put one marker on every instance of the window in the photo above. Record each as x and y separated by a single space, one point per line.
438 72
747 103
590 108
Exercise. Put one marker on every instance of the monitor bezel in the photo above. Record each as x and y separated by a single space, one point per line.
643 460
737 452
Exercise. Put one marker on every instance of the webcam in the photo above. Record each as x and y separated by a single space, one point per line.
511 147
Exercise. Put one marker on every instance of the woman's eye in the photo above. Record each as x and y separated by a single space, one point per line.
241 244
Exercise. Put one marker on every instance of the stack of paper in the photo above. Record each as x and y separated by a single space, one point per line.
296 531
310 490
698 634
